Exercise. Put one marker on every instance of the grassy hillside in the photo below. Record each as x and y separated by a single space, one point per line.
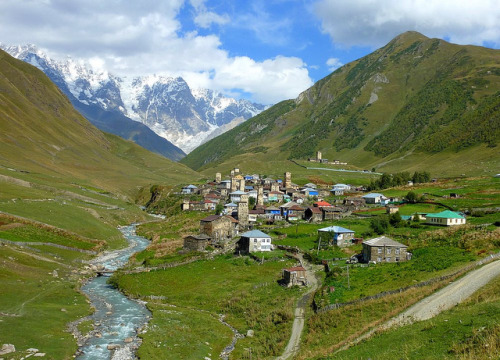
411 104
57 168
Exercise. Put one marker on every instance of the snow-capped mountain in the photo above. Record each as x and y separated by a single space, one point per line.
186 117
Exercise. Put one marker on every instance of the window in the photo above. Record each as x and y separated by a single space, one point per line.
397 251
388 259
388 250
255 241
379 259
379 250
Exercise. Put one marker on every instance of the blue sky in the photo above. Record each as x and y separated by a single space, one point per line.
266 51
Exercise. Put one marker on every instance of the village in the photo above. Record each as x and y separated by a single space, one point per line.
244 204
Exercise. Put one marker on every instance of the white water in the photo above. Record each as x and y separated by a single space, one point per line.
117 317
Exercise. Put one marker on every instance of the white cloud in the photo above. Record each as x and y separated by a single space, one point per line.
205 18
131 38
374 23
333 64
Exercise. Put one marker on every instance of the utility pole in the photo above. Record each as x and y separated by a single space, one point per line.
348 281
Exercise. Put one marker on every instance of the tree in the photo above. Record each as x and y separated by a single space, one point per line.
219 209
379 224
411 197
395 219
251 202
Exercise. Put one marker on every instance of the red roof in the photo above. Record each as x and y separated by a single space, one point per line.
321 203
232 219
296 268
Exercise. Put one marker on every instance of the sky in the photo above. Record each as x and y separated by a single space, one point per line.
262 50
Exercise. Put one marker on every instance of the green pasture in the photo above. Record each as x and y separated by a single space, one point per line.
468 331
244 290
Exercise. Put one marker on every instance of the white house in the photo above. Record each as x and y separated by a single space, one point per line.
190 189
445 218
253 241
374 198
236 196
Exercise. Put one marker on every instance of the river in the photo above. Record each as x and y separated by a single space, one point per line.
116 317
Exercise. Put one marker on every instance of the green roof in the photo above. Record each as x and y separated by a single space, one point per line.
447 214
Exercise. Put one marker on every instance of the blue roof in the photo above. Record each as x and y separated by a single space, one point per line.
255 234
248 187
336 229
190 187
231 205
405 217
238 192
372 195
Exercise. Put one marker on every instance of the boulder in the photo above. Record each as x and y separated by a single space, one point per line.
7 349
113 346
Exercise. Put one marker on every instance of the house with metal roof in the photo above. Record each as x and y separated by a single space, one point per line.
445 218
384 249
374 198
337 235
254 241
190 189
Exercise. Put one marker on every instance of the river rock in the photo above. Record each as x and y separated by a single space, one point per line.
39 355
250 333
7 349
129 340
113 346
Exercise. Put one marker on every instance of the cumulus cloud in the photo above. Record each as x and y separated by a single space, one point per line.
333 64
132 39
374 23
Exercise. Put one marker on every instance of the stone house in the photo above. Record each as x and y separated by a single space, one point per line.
294 276
313 214
196 242
355 202
334 212
254 241
218 228
337 235
391 209
295 213
384 249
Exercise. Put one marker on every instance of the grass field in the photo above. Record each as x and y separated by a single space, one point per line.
36 306
469 331
245 291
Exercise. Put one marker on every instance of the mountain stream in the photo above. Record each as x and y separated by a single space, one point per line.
116 317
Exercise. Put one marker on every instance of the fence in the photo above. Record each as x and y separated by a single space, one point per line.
400 290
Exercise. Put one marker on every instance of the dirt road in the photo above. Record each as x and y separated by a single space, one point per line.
448 296
441 300
298 323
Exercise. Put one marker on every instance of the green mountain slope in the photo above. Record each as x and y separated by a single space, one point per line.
412 104
44 139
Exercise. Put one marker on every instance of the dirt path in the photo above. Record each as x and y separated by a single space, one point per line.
441 300
298 323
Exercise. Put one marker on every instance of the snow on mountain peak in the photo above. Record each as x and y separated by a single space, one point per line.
186 117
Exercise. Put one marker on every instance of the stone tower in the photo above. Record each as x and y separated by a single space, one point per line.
232 173
218 177
243 211
318 155
288 180
242 185
275 186
260 195
234 184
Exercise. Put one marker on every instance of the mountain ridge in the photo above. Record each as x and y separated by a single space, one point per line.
407 98
167 105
